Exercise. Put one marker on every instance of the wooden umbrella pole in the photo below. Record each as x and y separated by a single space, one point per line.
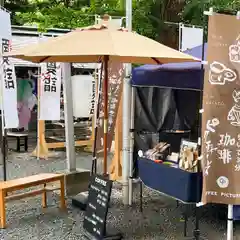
105 136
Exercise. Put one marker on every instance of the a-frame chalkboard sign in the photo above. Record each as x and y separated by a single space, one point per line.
94 224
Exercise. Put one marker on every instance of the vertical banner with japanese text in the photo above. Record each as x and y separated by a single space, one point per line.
7 75
221 117
115 82
50 89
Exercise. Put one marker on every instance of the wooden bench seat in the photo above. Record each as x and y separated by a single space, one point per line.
8 188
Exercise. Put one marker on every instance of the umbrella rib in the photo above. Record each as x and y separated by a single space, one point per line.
156 60
45 58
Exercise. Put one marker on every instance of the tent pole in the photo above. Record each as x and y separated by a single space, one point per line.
126 115
105 94
126 144
131 165
196 232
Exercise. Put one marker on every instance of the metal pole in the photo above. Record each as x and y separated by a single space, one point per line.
230 207
126 114
68 117
196 231
38 113
230 223
131 146
3 147
105 96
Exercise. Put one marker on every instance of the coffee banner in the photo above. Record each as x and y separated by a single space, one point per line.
50 83
115 82
7 75
221 117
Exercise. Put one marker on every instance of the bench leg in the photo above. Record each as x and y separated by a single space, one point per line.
44 198
18 144
26 144
2 209
62 196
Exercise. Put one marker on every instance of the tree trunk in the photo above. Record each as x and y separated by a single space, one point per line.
169 34
66 3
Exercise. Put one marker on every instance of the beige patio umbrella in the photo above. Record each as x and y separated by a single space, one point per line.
101 44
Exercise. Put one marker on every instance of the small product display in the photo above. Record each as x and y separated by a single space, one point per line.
188 156
186 160
159 152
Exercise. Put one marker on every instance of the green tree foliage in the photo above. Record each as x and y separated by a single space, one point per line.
148 15
193 9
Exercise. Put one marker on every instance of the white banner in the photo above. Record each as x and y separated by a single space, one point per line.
50 90
190 37
7 75
5 30
83 94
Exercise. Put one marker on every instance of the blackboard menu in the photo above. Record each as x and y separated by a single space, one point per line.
97 207
221 115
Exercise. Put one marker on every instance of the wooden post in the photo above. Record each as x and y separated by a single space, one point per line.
44 197
41 151
2 209
62 195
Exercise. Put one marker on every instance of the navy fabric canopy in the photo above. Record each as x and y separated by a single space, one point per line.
172 75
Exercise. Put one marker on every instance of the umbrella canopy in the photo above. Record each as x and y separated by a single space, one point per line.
90 44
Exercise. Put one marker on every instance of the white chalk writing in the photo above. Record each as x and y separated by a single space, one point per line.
234 51
210 148
219 74
226 140
234 113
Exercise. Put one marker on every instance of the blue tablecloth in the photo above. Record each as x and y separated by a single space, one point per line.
179 184
236 212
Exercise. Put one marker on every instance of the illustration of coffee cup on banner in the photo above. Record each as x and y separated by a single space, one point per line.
234 113
219 74
234 51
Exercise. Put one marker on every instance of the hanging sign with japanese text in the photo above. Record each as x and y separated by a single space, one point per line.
221 117
7 75
50 83
115 83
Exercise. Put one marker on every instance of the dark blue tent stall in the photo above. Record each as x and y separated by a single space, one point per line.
185 76
168 97
167 103
172 75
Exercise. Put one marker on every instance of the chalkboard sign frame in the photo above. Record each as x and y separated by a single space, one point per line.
100 189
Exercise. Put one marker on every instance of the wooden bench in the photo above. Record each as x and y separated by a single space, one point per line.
20 136
8 188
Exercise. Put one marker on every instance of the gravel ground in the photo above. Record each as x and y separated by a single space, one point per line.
161 218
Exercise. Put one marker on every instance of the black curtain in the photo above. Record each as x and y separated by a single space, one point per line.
158 111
